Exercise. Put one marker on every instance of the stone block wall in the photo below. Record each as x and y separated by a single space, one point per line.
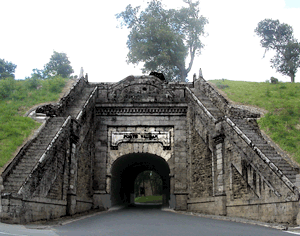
244 183
201 184
43 196
176 157
253 190
185 134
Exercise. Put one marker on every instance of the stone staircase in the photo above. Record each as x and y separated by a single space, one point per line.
216 113
38 146
288 169
76 106
33 153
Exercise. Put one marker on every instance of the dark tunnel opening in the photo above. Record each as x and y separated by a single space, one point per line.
125 170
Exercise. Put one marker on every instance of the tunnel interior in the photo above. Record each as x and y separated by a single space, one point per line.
125 170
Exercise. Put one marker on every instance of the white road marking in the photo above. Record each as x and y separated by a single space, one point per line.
290 232
13 234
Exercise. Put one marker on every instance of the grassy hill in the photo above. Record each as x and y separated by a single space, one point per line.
282 102
16 97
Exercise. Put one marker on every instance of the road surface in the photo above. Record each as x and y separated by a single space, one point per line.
145 220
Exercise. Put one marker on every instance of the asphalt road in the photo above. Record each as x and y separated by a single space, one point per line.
145 221
148 221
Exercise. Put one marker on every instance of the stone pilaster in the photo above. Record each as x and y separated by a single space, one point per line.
71 198
218 165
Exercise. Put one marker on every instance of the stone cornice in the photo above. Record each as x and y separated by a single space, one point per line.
142 110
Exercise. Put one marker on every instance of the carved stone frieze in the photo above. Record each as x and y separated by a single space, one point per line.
140 89
141 111
134 137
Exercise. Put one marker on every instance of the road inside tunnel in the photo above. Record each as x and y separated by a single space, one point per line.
125 170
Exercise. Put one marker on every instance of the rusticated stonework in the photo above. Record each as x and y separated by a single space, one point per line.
201 168
210 155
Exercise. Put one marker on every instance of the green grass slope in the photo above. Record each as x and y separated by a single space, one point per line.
16 97
149 199
282 101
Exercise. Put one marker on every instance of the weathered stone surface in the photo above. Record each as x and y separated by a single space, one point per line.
210 155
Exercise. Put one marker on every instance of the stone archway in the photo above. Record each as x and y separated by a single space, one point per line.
125 170
134 150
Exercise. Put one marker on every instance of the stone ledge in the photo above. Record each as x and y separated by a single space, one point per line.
257 203
46 201
201 200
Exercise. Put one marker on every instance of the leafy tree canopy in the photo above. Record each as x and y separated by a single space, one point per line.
162 39
7 69
59 64
279 37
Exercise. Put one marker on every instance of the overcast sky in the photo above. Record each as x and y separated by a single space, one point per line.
87 32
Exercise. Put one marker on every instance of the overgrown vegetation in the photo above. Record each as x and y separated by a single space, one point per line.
150 177
148 199
16 97
281 100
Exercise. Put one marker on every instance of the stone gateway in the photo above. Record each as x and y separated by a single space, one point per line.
211 156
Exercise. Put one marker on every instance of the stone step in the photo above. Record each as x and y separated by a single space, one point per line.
11 188
250 131
17 179
33 153
21 172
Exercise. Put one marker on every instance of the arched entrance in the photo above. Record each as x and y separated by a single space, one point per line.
125 170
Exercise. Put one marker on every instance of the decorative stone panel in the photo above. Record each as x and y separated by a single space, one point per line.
153 140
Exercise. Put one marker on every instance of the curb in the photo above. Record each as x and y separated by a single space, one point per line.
233 219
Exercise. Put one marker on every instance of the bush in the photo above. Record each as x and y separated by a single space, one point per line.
16 97
274 80
32 83
220 85
7 86
55 84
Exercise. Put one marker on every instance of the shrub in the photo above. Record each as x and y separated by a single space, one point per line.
32 83
274 80
220 85
7 86
55 84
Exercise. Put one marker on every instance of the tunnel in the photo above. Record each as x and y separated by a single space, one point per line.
125 170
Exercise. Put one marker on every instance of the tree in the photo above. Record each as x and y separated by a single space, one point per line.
7 69
38 74
287 62
59 64
162 39
279 37
151 177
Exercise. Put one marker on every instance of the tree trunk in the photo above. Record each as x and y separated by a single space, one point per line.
293 78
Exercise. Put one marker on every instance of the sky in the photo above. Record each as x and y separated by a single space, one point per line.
87 31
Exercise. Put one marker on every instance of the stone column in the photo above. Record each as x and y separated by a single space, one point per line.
71 196
1 188
218 172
